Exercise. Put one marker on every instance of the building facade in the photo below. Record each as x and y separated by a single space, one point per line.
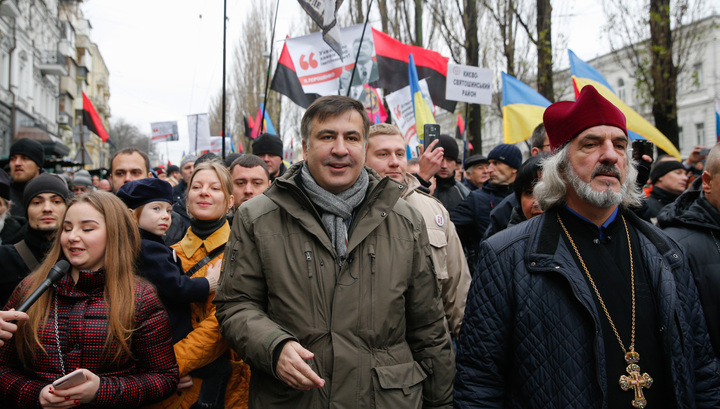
46 58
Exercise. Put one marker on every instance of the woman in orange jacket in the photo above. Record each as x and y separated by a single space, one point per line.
203 356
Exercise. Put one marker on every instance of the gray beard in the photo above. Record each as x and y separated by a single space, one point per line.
604 199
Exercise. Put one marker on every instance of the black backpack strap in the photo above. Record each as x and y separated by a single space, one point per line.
200 264
26 255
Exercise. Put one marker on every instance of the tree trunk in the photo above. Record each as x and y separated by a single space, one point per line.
359 18
509 37
544 49
472 51
664 72
382 5
419 23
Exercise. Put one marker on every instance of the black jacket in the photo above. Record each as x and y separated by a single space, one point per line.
16 197
14 268
470 185
176 290
531 336
500 215
179 191
12 232
694 223
450 192
658 199
179 225
472 217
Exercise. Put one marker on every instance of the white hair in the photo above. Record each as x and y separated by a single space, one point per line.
557 174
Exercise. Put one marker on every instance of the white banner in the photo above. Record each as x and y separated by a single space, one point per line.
320 69
164 131
198 132
401 110
468 84
213 144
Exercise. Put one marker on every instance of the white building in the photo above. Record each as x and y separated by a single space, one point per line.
30 70
698 88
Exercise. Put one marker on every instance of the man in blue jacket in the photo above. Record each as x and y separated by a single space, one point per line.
586 305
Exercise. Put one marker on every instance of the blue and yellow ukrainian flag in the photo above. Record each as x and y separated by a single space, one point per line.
423 113
638 127
523 109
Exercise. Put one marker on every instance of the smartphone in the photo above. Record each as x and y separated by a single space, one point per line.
74 378
431 132
704 151
642 147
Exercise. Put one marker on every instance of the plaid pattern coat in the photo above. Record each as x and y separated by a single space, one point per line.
149 375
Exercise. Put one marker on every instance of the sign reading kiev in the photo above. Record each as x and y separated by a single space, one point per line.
468 84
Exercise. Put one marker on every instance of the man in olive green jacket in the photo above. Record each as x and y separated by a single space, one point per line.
328 290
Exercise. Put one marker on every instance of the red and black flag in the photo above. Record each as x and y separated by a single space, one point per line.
392 59
91 119
286 82
460 128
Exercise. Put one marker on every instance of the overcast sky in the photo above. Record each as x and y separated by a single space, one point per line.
165 56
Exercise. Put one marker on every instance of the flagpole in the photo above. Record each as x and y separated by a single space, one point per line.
357 55
223 76
267 76
465 133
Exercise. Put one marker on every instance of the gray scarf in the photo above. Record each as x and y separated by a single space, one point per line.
336 209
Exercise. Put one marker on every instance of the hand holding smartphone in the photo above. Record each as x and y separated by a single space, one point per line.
641 148
430 133
70 380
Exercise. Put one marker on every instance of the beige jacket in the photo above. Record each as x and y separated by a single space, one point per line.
448 257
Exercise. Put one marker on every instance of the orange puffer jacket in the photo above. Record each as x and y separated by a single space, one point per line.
205 343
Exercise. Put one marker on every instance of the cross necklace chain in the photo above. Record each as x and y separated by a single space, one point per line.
634 380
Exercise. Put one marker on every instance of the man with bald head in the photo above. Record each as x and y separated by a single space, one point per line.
693 219
586 295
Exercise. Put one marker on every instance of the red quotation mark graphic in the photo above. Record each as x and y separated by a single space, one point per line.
311 62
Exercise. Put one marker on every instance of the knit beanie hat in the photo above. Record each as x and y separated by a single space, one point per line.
268 143
187 159
45 183
30 148
565 120
508 154
449 146
139 192
4 185
82 178
660 169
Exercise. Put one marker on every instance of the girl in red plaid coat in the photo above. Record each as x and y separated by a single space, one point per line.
100 318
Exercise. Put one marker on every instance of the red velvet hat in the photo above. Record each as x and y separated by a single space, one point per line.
565 120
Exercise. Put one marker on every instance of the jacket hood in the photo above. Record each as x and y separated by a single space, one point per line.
411 183
686 211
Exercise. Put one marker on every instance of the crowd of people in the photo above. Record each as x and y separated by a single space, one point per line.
578 277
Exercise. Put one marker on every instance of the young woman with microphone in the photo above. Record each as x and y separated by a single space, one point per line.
99 318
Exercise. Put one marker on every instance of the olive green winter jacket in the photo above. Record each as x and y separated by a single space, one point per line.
375 324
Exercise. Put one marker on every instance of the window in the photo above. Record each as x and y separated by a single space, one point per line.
700 131
697 76
621 90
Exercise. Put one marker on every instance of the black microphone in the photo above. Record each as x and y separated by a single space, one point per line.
56 273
